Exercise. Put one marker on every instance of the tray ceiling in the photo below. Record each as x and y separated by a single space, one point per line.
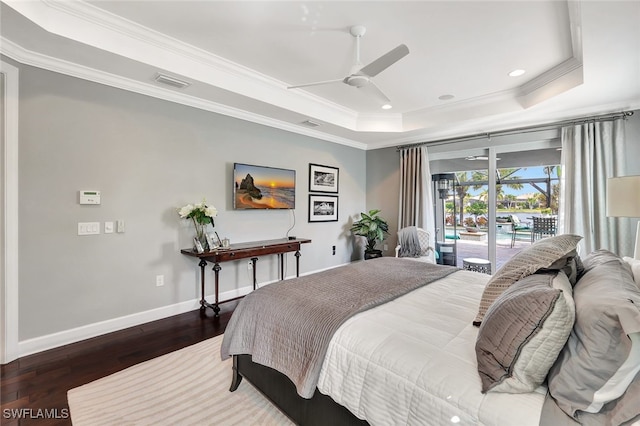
238 58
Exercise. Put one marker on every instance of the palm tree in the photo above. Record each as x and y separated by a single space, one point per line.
481 176
548 170
511 198
461 192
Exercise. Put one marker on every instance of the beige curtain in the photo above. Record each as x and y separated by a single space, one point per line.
416 198
591 153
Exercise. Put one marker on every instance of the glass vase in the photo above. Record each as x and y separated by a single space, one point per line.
201 234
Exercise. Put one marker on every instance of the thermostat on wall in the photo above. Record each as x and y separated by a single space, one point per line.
89 197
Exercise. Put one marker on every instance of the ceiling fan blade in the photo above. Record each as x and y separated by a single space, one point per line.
375 91
385 61
317 83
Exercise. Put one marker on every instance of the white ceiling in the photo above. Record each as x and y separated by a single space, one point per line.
581 58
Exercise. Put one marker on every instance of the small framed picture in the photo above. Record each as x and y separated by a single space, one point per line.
212 240
323 208
323 178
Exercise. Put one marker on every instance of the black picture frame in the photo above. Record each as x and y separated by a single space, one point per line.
323 208
323 178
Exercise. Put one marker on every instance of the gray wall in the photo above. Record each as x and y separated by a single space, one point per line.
383 178
383 183
149 157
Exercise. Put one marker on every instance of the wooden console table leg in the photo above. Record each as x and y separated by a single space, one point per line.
215 307
281 256
203 303
297 255
255 282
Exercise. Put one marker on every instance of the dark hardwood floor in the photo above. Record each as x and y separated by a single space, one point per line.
41 381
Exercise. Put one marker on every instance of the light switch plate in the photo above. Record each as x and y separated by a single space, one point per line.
108 227
88 228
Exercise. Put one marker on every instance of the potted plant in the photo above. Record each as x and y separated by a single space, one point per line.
372 227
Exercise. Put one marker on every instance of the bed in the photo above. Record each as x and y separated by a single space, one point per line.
408 352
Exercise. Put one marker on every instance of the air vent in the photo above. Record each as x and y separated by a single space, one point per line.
310 123
171 81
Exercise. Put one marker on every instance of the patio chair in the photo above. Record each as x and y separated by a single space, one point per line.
544 227
424 253
518 226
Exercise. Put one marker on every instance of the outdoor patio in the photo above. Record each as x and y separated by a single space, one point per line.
479 249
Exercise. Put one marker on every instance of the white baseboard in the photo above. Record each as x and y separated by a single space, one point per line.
54 340
50 341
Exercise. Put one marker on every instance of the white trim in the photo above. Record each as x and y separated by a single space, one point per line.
9 285
61 66
88 24
54 340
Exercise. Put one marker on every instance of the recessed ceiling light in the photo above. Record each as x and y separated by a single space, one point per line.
516 73
446 97
387 106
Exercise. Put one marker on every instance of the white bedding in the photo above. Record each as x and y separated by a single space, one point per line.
412 362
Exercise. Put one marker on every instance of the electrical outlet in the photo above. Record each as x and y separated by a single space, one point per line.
249 265
333 250
159 280
120 226
385 247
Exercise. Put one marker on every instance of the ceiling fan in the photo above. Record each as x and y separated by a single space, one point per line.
360 76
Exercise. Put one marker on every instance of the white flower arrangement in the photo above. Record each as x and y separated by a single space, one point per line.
200 213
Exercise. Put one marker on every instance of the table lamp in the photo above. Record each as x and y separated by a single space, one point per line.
623 200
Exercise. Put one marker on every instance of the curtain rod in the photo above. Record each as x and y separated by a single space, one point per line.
528 129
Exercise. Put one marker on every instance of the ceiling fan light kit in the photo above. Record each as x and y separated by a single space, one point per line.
360 77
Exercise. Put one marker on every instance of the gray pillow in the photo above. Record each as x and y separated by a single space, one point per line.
597 363
523 332
549 253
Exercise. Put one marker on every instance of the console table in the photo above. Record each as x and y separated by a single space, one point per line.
249 250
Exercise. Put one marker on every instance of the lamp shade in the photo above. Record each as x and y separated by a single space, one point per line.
623 196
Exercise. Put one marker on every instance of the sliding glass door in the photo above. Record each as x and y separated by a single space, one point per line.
497 195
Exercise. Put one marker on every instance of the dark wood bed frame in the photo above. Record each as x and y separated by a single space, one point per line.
320 410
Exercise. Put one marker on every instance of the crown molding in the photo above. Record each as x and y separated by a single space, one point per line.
90 25
548 77
86 23
24 56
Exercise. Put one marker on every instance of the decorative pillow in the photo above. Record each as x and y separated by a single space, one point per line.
599 361
523 332
423 238
635 268
552 253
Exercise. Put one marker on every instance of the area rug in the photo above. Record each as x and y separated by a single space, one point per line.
186 387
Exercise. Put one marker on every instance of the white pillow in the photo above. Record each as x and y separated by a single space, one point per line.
620 381
635 267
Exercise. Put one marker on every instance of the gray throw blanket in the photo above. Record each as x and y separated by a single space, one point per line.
288 325
409 242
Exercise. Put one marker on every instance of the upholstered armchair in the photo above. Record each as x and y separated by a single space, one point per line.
416 244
